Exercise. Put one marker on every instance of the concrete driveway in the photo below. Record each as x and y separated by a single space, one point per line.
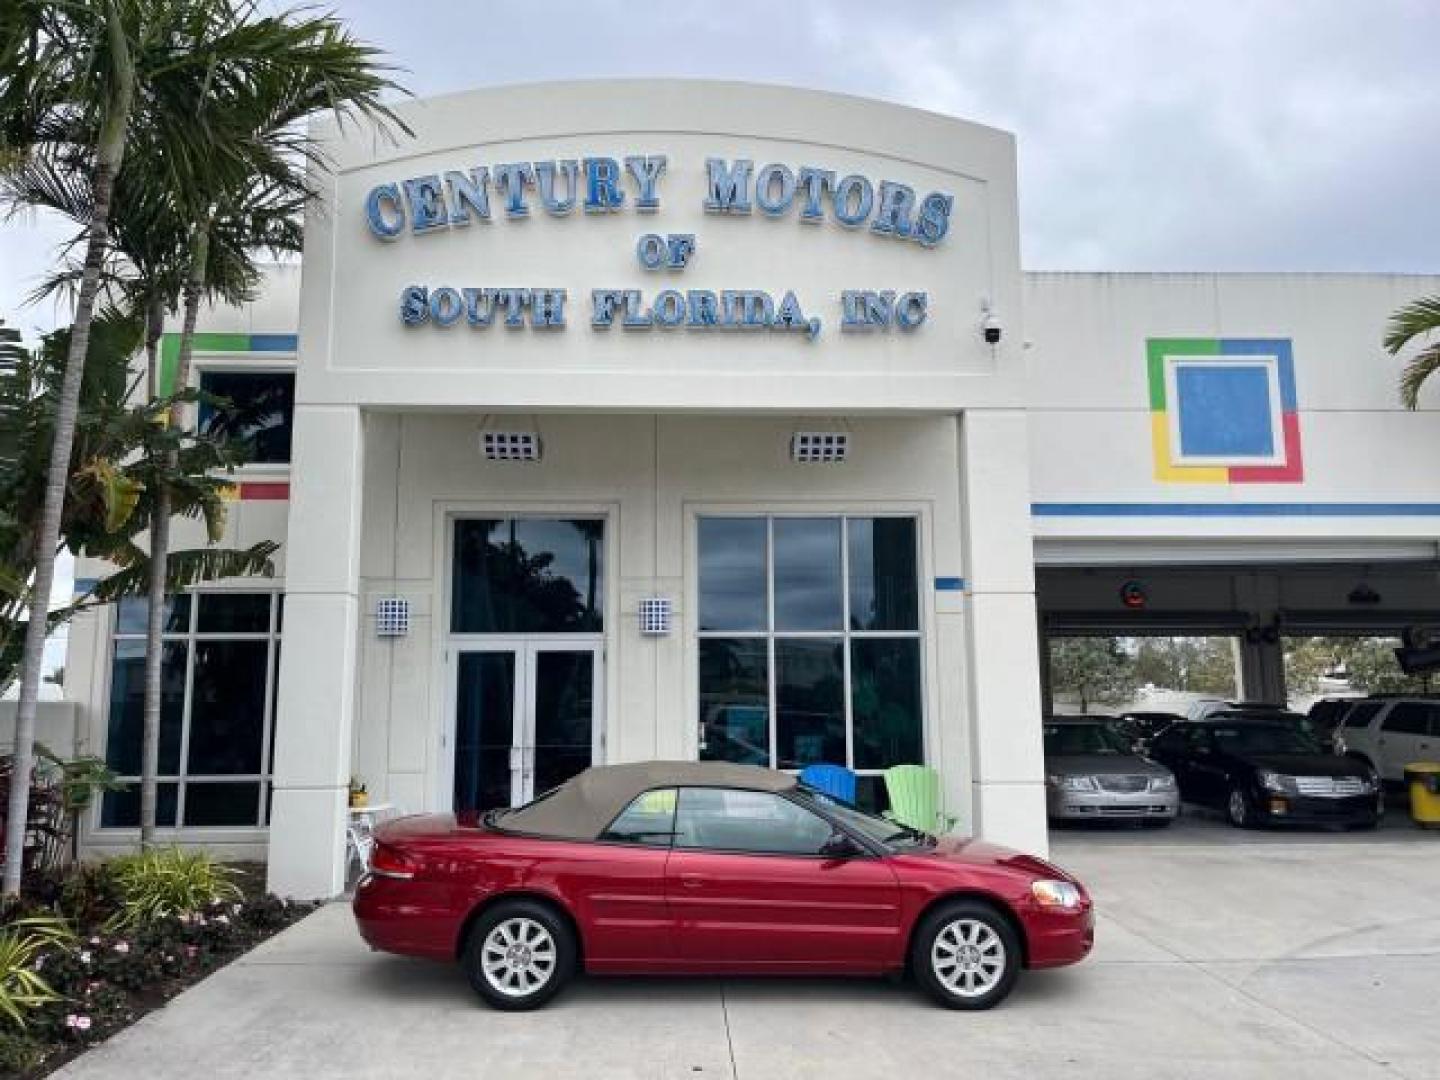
1310 956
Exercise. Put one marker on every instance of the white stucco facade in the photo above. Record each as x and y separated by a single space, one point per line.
1039 446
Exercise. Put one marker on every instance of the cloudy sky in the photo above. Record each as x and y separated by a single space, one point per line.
1153 134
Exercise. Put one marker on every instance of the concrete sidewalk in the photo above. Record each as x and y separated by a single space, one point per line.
1306 956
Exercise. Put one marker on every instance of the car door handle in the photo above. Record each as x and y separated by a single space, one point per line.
691 881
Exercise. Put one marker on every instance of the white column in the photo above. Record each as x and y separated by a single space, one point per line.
317 660
1003 677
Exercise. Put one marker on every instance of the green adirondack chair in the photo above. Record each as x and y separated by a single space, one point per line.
914 792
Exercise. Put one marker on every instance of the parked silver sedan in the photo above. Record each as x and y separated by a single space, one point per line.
1093 774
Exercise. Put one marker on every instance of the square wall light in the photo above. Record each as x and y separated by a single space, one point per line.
510 445
819 447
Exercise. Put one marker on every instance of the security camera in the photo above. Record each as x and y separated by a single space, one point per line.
991 329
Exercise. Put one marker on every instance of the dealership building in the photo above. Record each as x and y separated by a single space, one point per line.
670 419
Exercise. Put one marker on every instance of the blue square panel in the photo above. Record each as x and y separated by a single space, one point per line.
1225 411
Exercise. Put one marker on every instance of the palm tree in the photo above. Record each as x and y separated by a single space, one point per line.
1415 321
195 79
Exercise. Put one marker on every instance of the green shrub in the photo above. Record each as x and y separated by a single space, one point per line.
168 881
22 943
19 1052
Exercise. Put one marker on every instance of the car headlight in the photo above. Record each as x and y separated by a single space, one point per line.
1162 783
1056 894
1072 783
1273 781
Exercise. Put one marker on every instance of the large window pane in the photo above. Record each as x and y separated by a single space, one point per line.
809 702
883 580
121 809
222 804
233 613
734 700
885 701
528 575
807 574
227 710
259 414
127 707
484 729
131 613
564 715
732 574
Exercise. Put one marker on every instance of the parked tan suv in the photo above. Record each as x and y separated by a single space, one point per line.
1389 733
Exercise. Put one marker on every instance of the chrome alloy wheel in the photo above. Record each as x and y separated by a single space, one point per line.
968 957
518 957
1237 808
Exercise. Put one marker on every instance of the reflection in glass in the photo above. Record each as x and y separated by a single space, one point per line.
885 701
809 701
130 614
732 574
883 587
564 715
127 706
233 613
259 414
734 701
807 574
484 729
227 707
528 576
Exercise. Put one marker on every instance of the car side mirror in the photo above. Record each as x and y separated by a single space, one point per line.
840 846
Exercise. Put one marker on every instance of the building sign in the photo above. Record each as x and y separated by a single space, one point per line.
455 200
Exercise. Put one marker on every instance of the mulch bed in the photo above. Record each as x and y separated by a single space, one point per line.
110 979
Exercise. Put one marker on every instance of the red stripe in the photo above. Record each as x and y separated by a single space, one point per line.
277 490
1292 472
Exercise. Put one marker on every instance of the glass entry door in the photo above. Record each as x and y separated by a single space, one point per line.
525 719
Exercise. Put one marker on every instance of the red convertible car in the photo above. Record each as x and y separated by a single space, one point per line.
708 868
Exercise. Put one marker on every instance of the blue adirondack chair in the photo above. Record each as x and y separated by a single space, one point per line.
833 780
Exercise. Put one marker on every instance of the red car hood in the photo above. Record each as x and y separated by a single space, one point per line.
979 853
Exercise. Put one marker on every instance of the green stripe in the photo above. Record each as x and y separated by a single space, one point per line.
1156 349
209 343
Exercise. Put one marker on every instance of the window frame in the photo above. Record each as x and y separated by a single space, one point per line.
922 633
191 638
234 364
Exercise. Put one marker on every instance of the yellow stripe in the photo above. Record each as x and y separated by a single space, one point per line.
1168 472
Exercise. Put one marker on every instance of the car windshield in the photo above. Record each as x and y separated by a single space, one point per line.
1265 739
871 826
1063 740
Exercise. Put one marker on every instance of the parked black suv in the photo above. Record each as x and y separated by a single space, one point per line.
1267 769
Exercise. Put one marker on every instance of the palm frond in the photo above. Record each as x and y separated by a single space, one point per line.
1414 320
1421 366
189 567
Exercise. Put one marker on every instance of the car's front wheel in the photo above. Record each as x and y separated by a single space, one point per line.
966 955
1237 809
519 954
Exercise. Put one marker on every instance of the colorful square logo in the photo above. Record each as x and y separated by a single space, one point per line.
1223 411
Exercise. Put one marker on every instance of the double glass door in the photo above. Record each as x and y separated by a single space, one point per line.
525 719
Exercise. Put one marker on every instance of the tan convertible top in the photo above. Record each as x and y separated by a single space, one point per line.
580 808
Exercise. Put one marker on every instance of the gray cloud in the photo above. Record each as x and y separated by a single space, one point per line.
1153 134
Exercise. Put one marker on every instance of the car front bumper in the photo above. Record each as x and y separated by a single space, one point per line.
1283 809
1064 805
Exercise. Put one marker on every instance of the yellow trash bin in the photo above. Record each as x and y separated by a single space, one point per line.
1424 780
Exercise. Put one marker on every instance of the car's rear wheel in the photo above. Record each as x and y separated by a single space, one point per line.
519 954
966 955
1237 809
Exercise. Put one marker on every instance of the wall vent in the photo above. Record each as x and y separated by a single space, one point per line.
510 445
654 614
392 617
819 447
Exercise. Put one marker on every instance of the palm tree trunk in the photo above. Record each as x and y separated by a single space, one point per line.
155 619
110 152
160 549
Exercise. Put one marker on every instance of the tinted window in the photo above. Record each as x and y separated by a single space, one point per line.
528 575
1361 715
131 614
885 700
720 819
1408 718
732 574
735 700
883 579
227 708
1264 739
649 820
807 574
809 701
259 411
233 613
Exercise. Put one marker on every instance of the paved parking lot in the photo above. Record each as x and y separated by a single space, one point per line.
1306 955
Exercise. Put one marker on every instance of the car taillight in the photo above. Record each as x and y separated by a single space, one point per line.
386 861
